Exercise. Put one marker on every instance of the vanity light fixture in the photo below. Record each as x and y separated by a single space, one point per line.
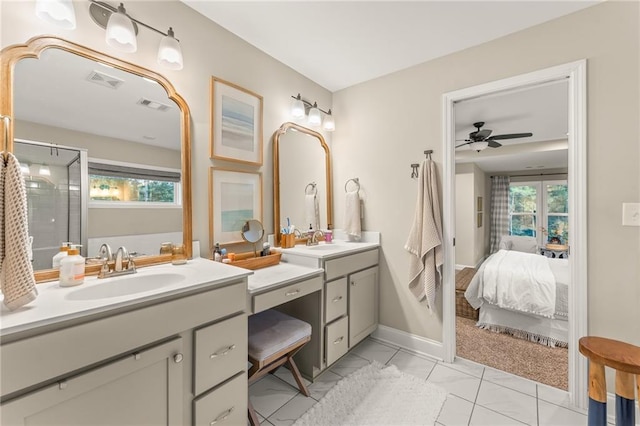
122 30
57 12
301 107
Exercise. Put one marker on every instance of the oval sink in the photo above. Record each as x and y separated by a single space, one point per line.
123 286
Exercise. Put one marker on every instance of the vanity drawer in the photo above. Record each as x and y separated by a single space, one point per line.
225 405
335 304
284 294
345 265
337 342
220 351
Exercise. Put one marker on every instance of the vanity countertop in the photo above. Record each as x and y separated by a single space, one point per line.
280 274
56 306
337 248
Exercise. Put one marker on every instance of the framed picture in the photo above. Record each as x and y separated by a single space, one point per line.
234 198
236 123
480 220
479 204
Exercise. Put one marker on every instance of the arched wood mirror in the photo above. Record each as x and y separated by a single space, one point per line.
301 168
108 139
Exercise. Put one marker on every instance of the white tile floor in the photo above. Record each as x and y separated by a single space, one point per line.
478 395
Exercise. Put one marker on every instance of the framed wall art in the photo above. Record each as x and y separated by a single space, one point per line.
236 123
234 198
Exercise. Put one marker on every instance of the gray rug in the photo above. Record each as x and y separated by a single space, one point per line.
377 395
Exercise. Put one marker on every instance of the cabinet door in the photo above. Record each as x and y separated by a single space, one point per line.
363 304
142 388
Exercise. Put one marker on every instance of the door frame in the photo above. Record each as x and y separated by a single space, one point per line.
576 75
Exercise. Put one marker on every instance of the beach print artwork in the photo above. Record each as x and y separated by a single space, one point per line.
237 124
237 201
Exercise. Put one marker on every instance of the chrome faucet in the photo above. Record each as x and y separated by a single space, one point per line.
118 269
105 252
313 241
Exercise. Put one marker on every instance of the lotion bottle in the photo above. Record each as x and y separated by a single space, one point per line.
64 248
72 268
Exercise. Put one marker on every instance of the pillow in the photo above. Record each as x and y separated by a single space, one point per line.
505 244
519 243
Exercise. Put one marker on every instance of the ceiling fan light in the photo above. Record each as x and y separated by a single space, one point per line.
478 146
120 32
57 12
297 107
315 119
329 124
169 52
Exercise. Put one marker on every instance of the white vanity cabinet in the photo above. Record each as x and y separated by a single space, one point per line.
177 359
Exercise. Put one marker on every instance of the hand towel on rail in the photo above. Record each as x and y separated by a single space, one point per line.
425 238
352 225
311 211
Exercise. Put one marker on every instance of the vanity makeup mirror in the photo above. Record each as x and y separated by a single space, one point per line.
252 232
32 73
300 158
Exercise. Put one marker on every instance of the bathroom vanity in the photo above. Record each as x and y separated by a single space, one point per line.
167 345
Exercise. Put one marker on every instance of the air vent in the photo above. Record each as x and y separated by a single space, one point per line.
105 80
153 104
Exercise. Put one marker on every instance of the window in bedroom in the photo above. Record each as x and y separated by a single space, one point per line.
539 209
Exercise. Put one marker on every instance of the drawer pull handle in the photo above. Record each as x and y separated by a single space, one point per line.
222 417
337 299
222 352
62 384
292 293
338 340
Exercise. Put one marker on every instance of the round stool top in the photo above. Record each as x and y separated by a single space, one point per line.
612 353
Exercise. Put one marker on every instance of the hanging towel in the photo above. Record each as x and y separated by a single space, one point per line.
311 211
16 273
352 215
425 239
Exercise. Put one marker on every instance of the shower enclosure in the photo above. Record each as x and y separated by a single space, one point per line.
56 179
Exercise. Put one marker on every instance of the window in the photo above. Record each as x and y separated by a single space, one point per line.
115 184
540 209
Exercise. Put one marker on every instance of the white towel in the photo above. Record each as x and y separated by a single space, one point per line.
16 273
311 211
425 238
352 224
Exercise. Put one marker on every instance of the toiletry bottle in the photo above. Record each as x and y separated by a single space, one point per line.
217 253
64 248
72 268
266 249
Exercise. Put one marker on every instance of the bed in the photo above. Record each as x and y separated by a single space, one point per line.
523 294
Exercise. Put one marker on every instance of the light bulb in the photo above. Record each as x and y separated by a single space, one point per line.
120 31
315 119
329 124
169 52
57 12
297 107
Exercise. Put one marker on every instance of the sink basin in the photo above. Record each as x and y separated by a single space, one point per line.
123 286
322 247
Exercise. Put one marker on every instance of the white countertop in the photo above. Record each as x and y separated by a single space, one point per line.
56 304
337 248
280 274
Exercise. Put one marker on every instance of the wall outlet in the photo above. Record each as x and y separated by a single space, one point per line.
630 214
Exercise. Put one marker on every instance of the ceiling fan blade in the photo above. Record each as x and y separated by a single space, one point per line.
511 136
463 144
482 134
493 144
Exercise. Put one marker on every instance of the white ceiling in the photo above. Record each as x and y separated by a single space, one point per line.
338 44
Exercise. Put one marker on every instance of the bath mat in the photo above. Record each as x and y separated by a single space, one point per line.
377 395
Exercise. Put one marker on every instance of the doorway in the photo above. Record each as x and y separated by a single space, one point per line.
574 75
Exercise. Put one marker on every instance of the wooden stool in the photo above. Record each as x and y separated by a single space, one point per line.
625 359
274 338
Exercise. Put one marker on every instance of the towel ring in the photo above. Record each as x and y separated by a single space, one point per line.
354 180
313 188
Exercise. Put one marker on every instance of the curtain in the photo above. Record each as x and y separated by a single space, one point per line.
499 210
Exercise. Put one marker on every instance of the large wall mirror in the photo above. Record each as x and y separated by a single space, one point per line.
301 169
104 146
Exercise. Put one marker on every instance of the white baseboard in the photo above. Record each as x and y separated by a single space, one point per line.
409 341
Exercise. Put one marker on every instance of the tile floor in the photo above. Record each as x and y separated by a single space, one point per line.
478 395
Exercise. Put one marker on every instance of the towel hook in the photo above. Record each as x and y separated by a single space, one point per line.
354 180
414 171
428 153
313 188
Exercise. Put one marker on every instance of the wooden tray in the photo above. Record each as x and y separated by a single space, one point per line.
249 261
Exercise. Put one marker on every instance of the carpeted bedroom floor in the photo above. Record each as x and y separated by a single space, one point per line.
517 356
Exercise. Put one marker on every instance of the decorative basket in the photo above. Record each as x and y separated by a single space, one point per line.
253 262
463 308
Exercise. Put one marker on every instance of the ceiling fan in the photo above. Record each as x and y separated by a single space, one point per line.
481 139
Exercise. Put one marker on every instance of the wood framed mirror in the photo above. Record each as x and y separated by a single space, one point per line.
301 167
59 54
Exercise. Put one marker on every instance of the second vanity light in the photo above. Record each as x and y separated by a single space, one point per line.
301 107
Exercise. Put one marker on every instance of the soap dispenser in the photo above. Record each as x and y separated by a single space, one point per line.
72 268
64 248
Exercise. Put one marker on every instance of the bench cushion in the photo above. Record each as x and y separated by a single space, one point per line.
271 331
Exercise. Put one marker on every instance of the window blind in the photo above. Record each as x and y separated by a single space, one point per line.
111 170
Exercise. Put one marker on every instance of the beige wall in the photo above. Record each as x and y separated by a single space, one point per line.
387 123
208 50
465 225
